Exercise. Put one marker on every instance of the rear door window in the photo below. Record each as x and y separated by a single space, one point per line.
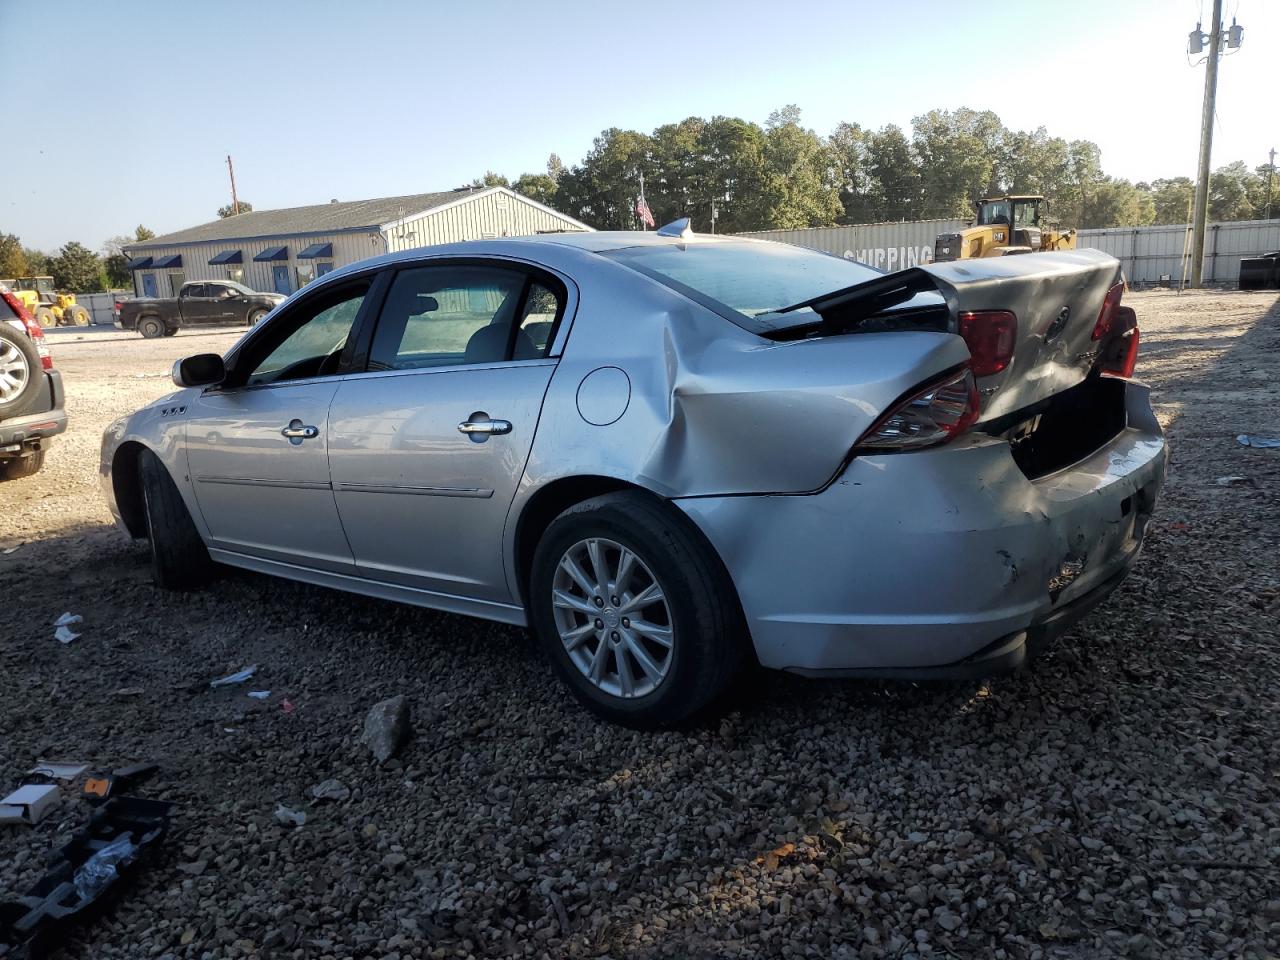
461 314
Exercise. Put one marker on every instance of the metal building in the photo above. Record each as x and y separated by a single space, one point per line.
283 250
888 246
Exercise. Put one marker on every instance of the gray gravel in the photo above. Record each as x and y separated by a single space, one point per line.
1118 800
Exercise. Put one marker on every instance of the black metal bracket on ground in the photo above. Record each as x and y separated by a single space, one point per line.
34 923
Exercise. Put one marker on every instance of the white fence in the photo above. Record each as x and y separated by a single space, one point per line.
1149 255
1153 255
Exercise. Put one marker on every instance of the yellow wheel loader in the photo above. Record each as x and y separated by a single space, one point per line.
50 308
1004 225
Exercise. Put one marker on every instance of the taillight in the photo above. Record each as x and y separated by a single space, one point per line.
34 330
935 414
1107 314
991 336
1121 354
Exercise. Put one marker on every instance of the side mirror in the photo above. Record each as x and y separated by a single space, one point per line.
202 370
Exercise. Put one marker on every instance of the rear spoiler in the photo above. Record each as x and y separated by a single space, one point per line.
850 306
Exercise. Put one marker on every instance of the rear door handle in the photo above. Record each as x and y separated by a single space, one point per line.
297 431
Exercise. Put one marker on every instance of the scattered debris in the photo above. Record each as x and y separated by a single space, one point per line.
286 816
1246 440
59 769
99 787
67 619
29 804
259 694
331 789
99 871
125 692
386 728
1232 481
239 677
287 705
109 849
9 550
64 635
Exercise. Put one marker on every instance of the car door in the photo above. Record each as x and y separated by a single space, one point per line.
226 303
194 303
427 447
257 448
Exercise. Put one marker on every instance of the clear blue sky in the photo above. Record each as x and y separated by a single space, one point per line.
126 110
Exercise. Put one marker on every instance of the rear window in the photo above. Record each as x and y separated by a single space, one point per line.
746 282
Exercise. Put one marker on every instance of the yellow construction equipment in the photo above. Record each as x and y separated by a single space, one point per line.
50 308
1004 225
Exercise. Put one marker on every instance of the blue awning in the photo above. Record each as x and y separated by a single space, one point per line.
139 263
317 251
175 260
273 253
226 256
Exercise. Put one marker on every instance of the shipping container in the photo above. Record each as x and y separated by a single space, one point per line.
887 246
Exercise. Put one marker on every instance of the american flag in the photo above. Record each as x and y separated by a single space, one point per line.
644 213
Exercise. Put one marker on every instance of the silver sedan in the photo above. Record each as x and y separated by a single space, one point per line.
673 456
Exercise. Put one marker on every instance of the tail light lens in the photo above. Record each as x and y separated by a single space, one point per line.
34 330
1121 354
935 414
1106 316
991 336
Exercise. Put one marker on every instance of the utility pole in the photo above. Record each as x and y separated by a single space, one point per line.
1201 207
235 203
1271 169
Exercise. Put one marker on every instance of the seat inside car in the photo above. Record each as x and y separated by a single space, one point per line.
489 344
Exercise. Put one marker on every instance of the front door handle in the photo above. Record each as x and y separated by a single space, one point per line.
297 431
480 426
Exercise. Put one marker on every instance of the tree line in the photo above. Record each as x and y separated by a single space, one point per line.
74 267
783 175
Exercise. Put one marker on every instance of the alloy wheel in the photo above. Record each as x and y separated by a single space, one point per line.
14 372
613 618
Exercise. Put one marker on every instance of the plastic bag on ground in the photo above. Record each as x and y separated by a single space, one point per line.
99 871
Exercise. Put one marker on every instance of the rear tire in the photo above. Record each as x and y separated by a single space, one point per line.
19 467
676 668
76 316
46 317
151 327
20 370
170 331
179 558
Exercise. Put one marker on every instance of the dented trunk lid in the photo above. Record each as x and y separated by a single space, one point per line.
1056 297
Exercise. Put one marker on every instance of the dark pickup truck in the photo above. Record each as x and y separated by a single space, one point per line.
199 302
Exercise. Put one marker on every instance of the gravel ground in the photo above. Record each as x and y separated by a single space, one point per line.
1118 800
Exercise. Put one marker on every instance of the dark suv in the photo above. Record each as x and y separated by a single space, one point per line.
31 397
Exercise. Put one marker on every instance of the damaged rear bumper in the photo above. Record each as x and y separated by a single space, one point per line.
943 562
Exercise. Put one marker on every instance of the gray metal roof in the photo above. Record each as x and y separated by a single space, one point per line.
319 218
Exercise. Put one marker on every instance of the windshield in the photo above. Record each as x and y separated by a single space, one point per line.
746 281
240 287
1026 213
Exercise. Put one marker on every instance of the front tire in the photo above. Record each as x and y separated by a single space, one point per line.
46 317
151 327
255 317
179 558
636 611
